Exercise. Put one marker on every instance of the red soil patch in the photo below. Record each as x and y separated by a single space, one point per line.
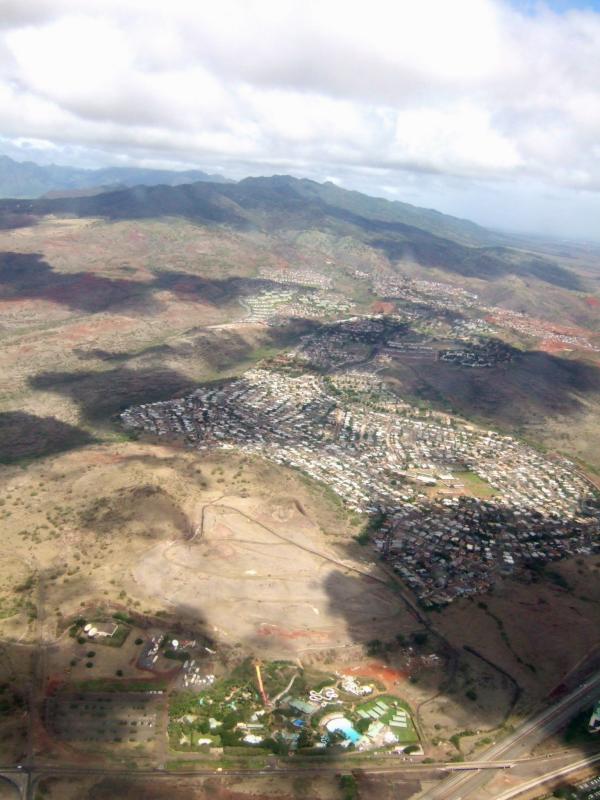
9 303
591 301
53 684
98 458
136 236
81 331
552 346
264 629
383 307
541 325
379 672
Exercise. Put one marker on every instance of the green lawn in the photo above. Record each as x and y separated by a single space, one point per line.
475 485
406 735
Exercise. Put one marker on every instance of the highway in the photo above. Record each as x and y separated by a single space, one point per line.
527 736
520 790
26 778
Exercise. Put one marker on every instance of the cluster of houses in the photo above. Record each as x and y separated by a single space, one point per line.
568 338
390 338
432 293
489 353
299 277
407 350
263 305
459 546
387 458
470 329
271 305
587 790
343 342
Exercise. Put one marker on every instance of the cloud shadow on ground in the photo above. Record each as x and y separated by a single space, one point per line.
26 436
100 395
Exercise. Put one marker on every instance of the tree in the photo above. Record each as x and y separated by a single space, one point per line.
362 725
305 739
374 647
349 787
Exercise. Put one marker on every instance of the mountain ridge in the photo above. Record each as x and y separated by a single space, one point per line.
29 180
286 206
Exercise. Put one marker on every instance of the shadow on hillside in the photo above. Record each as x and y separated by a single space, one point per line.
397 240
97 354
400 241
145 379
220 350
473 262
415 658
476 682
26 276
526 392
100 395
276 205
24 436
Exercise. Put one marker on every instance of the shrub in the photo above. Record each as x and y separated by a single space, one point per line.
374 647
349 787
362 725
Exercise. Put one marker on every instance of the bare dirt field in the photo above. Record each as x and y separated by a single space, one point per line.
261 573
91 521
263 561
256 557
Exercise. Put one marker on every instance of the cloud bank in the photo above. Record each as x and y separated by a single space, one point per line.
471 92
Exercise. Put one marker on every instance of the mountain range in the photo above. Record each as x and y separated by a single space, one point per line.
283 205
23 179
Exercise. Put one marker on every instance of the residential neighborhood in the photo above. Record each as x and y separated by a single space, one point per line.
457 506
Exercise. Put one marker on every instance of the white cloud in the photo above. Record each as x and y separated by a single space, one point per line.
470 89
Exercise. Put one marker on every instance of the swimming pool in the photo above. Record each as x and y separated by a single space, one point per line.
344 726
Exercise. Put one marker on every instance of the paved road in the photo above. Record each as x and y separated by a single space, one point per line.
527 736
25 778
548 776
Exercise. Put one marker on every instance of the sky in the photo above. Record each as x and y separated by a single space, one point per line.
485 109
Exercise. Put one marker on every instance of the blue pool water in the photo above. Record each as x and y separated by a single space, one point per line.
344 726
